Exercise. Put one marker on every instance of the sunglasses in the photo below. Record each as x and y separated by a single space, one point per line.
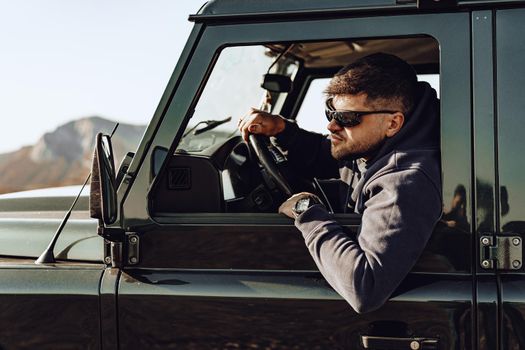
347 118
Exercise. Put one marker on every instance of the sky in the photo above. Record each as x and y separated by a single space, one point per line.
62 60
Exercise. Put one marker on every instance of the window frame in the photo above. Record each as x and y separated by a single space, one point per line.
215 38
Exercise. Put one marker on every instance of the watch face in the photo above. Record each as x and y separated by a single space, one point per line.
302 204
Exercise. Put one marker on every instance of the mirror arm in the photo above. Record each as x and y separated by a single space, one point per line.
112 234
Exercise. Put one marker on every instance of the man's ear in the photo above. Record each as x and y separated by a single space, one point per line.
395 123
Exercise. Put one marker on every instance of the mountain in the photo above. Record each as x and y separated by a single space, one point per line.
63 156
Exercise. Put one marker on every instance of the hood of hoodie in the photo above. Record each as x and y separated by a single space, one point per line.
421 132
421 128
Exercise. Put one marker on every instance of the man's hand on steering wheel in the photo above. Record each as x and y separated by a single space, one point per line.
256 128
262 125
259 122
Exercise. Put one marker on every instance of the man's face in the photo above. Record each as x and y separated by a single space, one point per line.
360 141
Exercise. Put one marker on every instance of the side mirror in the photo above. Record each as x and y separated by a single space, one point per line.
103 192
277 83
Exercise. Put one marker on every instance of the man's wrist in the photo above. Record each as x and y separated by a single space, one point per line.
281 125
305 203
288 132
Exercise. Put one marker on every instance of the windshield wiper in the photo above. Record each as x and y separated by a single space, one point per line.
210 124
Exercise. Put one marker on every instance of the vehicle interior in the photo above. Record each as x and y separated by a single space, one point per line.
214 171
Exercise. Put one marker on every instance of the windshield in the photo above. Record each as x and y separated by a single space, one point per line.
232 88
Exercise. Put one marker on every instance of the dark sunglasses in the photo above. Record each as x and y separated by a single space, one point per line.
347 118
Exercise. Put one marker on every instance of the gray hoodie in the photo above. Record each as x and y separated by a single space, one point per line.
398 193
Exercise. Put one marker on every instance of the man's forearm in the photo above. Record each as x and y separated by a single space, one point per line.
366 268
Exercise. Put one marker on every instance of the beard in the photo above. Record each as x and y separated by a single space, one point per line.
343 150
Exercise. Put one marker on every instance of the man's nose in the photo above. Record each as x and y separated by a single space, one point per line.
333 126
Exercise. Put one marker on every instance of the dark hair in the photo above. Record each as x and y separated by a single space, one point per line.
380 76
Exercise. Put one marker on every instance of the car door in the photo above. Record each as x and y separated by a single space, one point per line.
246 280
509 189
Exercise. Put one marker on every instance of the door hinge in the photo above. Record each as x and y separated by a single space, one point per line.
117 254
112 253
501 252
132 248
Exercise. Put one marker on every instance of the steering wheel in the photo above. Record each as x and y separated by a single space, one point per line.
272 159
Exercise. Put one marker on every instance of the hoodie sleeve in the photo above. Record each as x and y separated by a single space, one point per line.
400 213
308 152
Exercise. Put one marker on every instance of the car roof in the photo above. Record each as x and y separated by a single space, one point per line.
228 9
216 7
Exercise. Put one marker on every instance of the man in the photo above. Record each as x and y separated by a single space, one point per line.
384 144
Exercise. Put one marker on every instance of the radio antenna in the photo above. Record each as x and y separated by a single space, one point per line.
48 256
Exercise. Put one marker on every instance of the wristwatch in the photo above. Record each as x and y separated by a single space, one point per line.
304 203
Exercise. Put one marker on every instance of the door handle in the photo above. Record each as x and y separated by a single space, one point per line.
395 343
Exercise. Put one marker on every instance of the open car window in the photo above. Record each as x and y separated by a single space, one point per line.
214 171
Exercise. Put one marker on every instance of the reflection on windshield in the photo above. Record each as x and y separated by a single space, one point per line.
197 143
